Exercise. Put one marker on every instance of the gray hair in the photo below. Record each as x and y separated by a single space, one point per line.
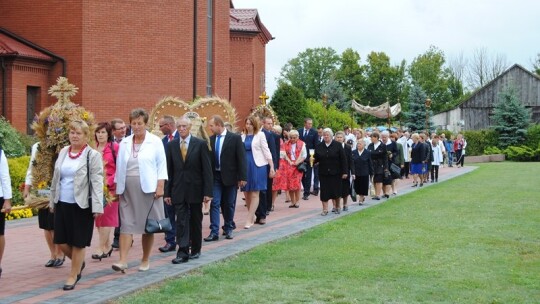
328 130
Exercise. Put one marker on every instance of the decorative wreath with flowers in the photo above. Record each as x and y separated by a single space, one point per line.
51 127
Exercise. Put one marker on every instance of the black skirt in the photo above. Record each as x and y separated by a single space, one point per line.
45 219
361 185
2 218
73 225
330 186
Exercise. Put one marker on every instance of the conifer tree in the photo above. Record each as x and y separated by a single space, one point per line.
510 119
415 117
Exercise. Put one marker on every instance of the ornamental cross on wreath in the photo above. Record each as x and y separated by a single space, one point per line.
63 90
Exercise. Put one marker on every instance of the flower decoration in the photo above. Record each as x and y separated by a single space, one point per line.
51 127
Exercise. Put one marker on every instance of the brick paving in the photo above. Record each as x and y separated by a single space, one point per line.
26 280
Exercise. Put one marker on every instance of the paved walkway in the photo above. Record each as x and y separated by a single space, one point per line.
26 280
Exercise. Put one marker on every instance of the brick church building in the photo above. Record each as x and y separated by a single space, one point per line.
126 54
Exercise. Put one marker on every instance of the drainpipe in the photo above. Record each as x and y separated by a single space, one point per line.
4 87
194 48
37 47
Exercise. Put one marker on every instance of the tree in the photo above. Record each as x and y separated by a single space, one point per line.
536 64
415 117
510 119
382 81
289 104
350 74
483 68
311 70
428 72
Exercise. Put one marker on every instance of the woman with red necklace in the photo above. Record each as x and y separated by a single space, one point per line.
141 171
105 223
78 171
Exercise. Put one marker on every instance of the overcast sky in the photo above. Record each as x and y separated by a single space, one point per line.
403 29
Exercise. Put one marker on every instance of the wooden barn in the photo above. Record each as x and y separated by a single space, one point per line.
475 112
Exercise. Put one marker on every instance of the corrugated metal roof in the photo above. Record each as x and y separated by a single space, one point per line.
12 47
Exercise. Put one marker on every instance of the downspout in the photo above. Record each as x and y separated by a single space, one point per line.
194 49
37 47
4 87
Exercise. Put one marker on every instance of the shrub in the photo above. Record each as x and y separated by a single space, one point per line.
478 141
17 171
492 150
10 139
533 136
522 153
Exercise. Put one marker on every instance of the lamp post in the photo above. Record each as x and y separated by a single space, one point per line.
324 101
428 105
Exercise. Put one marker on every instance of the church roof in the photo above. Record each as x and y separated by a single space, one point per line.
247 20
12 47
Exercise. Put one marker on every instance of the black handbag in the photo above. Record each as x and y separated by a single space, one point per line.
157 226
302 167
395 171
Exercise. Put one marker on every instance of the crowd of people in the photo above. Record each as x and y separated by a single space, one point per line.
182 177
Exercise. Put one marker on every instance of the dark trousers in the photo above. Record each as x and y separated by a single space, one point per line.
188 228
265 198
315 178
434 173
460 158
170 236
405 170
306 180
224 198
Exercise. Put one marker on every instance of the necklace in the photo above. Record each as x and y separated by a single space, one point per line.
76 155
135 151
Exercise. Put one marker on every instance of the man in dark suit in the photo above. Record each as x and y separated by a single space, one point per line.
265 197
309 137
189 185
168 128
229 158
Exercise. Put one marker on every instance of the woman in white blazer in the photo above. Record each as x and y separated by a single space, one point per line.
258 156
78 172
141 171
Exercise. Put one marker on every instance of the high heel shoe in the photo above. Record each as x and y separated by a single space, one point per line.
119 267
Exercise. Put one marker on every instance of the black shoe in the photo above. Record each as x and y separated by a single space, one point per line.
50 263
211 238
229 236
195 255
168 247
59 262
305 197
115 243
179 260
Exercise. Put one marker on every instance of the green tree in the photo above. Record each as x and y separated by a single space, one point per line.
289 104
415 117
428 72
311 70
350 74
510 119
536 64
382 81
10 141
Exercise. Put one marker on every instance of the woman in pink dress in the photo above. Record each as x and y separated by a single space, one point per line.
109 219
295 154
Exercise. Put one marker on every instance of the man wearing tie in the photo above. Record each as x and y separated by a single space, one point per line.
168 128
309 137
190 184
229 158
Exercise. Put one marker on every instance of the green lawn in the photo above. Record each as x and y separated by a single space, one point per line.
473 239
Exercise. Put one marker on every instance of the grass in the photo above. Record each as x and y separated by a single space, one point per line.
473 239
